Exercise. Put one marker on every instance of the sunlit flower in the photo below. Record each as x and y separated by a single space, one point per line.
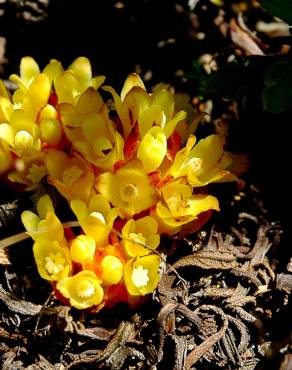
83 289
180 206
137 233
20 131
96 219
82 249
141 274
129 189
70 84
135 105
112 270
71 175
52 259
202 163
28 169
90 130
46 225
5 157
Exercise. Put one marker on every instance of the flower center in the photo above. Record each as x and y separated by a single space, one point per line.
85 289
139 238
140 277
128 192
54 263
72 174
23 139
196 164
99 216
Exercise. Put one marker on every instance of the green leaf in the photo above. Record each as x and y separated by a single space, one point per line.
279 8
277 94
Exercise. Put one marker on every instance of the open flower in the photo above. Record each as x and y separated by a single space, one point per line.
83 289
52 259
202 163
90 130
180 206
46 226
129 189
137 233
72 176
141 274
96 219
19 131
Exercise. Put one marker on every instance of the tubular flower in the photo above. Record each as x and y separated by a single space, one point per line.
46 225
202 163
52 259
72 176
129 189
91 131
180 206
83 289
136 106
137 233
71 83
82 249
141 274
96 219
112 270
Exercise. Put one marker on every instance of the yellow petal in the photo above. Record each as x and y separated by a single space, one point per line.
52 259
82 249
6 108
90 101
133 80
30 220
39 91
152 149
53 70
149 266
7 133
81 66
170 125
45 205
83 289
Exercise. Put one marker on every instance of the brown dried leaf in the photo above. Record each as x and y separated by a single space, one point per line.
208 260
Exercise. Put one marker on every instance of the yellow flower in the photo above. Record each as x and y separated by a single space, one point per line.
180 206
70 84
97 219
72 176
82 249
112 270
90 130
52 259
141 274
83 289
152 149
29 169
20 131
143 231
46 225
129 189
202 163
136 106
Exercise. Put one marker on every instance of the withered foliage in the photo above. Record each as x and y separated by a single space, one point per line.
213 306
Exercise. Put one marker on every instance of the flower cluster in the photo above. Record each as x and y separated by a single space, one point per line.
129 175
